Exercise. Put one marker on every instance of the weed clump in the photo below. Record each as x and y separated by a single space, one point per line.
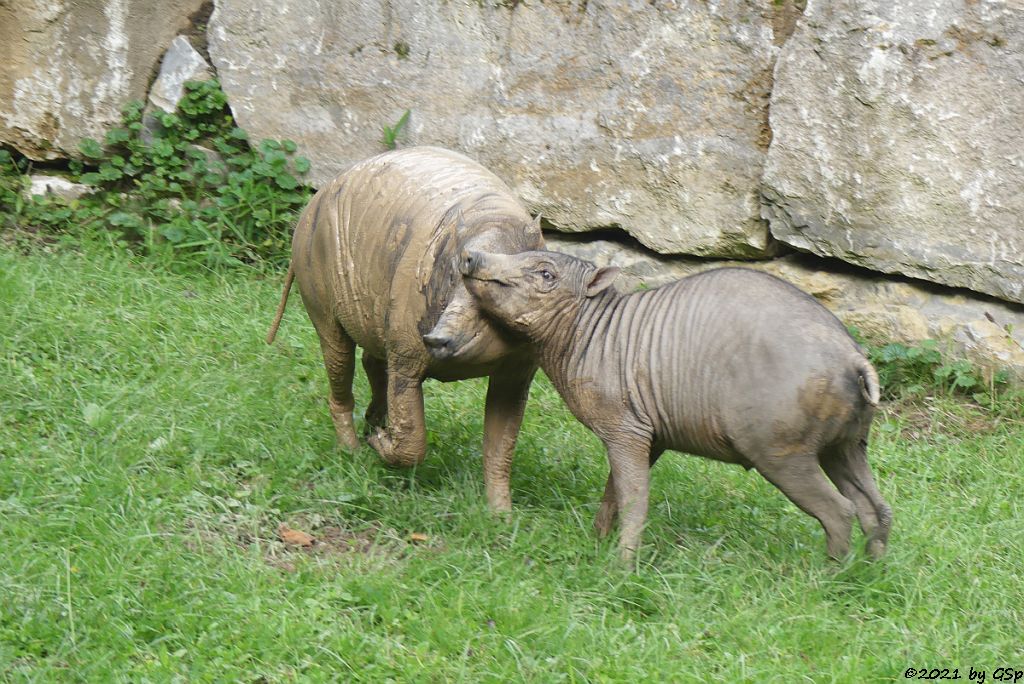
906 371
187 186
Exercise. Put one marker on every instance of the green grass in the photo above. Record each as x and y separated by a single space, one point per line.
151 443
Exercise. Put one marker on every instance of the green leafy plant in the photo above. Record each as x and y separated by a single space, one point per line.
909 369
391 133
188 186
17 209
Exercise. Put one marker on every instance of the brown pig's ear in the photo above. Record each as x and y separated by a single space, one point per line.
601 279
535 225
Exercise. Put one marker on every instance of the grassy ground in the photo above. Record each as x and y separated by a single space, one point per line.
151 444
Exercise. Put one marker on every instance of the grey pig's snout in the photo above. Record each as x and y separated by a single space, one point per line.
468 262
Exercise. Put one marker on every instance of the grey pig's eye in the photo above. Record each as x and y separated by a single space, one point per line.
547 275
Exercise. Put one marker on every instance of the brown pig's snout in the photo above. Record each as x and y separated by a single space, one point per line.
438 344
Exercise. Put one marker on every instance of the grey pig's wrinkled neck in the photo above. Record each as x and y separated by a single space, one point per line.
568 338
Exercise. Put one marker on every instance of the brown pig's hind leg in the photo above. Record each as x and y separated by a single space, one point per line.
339 359
629 456
847 466
609 509
606 512
377 375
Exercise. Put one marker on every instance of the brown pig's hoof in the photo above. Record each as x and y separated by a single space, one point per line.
343 428
379 441
603 521
347 439
346 434
384 445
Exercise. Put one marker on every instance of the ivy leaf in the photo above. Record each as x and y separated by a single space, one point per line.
90 148
123 218
117 136
172 232
286 181
276 159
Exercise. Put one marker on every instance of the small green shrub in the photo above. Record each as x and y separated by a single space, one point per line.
187 186
907 369
40 212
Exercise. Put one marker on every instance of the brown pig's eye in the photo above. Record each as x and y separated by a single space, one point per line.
547 275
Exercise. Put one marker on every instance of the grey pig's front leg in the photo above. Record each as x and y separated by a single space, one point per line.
629 457
609 508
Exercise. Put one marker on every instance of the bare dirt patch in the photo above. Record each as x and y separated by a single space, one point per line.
282 544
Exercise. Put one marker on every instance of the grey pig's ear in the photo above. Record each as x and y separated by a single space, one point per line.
601 279
460 222
535 225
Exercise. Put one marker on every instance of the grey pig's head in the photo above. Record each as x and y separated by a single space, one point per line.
530 291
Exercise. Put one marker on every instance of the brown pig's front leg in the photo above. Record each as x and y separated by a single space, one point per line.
503 414
403 442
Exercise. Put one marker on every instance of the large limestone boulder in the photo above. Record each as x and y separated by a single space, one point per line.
986 331
67 68
899 139
647 117
181 63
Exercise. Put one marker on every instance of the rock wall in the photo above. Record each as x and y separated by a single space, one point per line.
888 135
899 139
645 116
68 67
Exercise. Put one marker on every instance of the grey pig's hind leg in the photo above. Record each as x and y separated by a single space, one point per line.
339 359
847 466
503 415
799 477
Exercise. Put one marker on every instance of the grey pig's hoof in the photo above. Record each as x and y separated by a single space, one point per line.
603 522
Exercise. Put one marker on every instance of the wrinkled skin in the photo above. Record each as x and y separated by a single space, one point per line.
731 364
376 255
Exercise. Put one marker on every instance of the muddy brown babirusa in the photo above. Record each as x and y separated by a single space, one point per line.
375 254
730 364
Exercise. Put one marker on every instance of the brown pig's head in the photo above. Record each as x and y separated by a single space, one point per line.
460 333
532 292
